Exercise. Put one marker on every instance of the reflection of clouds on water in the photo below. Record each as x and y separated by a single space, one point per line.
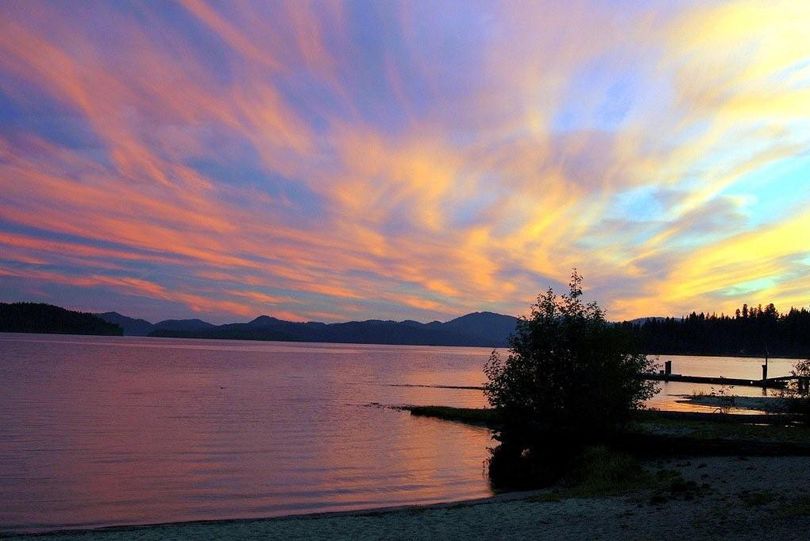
215 429
192 429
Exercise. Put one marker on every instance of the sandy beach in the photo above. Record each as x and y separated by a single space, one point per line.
736 498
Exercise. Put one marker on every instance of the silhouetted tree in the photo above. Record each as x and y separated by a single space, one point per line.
570 377
750 332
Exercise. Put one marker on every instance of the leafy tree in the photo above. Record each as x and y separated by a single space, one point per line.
797 396
570 376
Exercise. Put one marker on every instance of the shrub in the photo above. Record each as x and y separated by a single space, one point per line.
570 377
799 400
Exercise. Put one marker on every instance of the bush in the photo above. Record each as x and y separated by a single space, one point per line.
799 400
570 376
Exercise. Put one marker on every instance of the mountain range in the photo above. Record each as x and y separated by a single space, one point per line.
485 329
752 332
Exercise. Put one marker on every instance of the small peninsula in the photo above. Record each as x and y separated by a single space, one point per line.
29 317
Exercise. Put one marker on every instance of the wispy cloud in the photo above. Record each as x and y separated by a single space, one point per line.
400 160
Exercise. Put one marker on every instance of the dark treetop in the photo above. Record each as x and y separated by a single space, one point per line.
31 317
754 331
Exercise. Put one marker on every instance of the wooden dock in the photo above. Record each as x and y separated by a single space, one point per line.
803 382
764 382
772 383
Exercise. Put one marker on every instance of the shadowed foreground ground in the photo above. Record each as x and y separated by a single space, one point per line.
724 498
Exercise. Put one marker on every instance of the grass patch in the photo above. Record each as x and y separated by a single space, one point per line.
757 499
799 507
709 428
552 496
472 416
670 485
604 472
651 422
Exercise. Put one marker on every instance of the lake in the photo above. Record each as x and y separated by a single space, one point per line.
103 431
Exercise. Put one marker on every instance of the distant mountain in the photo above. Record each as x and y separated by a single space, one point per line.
489 326
141 327
393 332
762 332
485 329
480 329
131 326
182 325
644 320
29 317
264 321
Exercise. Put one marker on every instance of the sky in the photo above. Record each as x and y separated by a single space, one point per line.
418 160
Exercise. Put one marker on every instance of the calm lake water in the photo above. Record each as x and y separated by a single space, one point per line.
100 431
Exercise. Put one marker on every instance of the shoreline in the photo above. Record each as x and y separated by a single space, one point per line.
695 479
362 512
685 495
735 498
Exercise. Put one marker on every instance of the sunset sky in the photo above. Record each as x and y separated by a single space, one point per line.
404 160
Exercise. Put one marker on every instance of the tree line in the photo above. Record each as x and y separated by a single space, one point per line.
29 317
750 331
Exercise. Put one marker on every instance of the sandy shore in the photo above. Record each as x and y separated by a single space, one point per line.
737 498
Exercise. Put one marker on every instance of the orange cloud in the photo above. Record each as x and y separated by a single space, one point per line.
285 159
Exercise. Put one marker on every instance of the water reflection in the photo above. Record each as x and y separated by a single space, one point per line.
104 431
672 394
96 432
